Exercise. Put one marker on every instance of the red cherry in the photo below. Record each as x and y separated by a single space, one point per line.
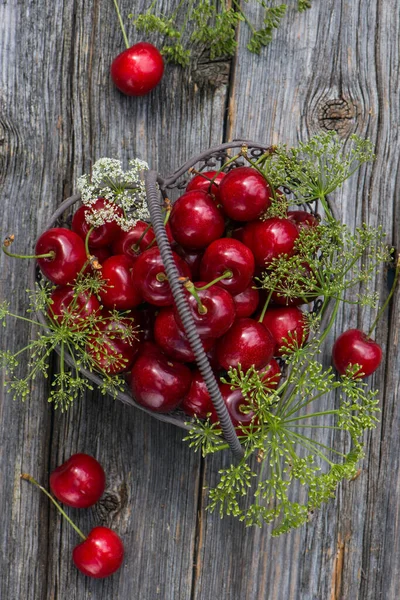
135 241
192 258
247 343
157 382
119 291
195 220
287 325
234 402
197 401
219 311
69 255
79 482
149 276
137 70
101 554
244 194
246 302
101 253
111 349
354 347
227 254
64 301
172 340
102 235
271 374
202 181
302 218
270 238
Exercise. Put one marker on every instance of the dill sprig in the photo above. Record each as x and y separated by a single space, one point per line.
212 25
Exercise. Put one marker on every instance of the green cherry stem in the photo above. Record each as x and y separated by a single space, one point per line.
9 240
385 304
225 275
121 24
29 478
192 290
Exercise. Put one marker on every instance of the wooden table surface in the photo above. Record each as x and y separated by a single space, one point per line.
334 67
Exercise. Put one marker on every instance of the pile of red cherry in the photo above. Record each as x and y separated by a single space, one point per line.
220 240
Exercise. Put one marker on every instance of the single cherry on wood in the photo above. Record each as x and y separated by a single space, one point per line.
79 482
354 347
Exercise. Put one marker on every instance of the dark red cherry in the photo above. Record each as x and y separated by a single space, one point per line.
215 315
302 218
288 326
244 194
102 235
271 374
119 291
235 402
100 555
202 181
192 258
79 482
270 239
195 220
74 308
69 255
247 343
354 347
171 339
157 382
150 279
137 70
197 401
101 254
246 302
227 254
134 241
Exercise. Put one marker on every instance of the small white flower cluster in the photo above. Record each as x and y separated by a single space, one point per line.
124 189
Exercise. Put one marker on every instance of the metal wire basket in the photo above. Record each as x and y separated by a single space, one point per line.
159 188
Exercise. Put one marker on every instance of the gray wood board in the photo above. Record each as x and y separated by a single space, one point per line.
333 67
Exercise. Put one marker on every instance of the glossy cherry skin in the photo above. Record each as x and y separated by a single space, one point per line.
64 302
220 311
101 253
113 351
70 255
79 482
271 374
197 401
172 340
247 343
102 235
270 238
234 402
227 254
119 290
137 70
100 555
302 218
145 271
203 182
196 221
244 194
157 382
355 347
135 241
246 302
286 325
192 258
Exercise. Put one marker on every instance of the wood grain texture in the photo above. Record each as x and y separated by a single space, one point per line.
333 67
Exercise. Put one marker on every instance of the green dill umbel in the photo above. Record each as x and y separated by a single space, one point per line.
74 342
292 462
213 25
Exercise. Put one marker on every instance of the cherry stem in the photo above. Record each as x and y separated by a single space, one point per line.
226 275
50 254
192 290
385 304
136 247
121 24
29 478
264 310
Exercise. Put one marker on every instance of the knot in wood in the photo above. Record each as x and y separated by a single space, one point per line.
211 73
111 503
337 114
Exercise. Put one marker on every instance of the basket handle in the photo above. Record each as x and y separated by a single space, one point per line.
154 205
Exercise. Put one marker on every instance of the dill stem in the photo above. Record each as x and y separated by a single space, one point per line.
121 24
385 304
